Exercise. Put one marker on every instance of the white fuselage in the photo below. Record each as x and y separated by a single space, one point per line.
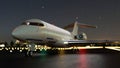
44 33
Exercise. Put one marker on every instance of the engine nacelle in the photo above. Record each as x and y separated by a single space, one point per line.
81 36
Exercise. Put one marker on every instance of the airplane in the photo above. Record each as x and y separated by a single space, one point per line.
36 31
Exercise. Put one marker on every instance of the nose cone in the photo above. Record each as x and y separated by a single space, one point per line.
24 32
16 34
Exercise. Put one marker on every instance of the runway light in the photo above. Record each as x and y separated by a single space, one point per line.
87 46
15 47
2 45
40 49
36 46
113 48
6 48
45 49
59 49
1 49
12 48
23 48
26 48
116 42
20 50
9 48
11 51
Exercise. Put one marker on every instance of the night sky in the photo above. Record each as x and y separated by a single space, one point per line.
103 13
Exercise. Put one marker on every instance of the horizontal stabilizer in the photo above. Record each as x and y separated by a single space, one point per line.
80 25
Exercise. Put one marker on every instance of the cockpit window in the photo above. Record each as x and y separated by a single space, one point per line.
32 23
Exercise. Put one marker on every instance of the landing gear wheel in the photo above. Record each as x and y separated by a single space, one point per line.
29 53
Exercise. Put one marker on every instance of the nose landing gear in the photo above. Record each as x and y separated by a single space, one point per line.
31 49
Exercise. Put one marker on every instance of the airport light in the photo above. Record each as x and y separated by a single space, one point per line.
2 45
23 48
113 48
1 49
6 48
11 51
45 49
12 48
69 48
54 48
40 49
58 48
87 46
26 48
36 46
15 48
20 50
9 48
116 42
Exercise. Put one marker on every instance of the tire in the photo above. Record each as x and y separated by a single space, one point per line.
29 53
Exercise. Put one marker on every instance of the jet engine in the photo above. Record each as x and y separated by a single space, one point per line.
81 36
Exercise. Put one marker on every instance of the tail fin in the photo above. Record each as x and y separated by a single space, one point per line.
75 28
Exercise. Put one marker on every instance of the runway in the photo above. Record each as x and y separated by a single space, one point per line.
84 58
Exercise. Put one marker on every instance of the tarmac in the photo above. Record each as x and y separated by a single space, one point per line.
82 58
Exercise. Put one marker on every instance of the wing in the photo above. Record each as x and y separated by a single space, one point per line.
88 42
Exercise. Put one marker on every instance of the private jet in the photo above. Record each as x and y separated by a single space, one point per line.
36 31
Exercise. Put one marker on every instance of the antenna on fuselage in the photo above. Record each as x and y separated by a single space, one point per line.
76 18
